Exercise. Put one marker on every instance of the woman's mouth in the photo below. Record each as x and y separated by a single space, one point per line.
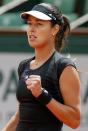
32 37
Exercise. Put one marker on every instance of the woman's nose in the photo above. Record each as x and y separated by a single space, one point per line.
32 28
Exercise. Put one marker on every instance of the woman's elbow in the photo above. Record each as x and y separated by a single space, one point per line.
76 122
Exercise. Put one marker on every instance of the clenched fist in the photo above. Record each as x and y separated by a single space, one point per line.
34 85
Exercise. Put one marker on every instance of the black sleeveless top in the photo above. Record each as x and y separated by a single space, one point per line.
30 109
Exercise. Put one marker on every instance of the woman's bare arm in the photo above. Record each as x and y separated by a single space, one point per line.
12 123
69 112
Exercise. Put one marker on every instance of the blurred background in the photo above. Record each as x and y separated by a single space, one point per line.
14 48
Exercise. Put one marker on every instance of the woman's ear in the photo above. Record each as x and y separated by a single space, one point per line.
56 28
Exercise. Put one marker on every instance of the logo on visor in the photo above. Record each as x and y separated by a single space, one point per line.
53 17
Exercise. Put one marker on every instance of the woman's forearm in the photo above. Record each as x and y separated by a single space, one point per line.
68 115
11 125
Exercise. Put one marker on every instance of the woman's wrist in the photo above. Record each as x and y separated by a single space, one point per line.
45 97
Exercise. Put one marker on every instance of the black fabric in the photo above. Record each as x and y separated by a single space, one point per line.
45 97
21 126
31 111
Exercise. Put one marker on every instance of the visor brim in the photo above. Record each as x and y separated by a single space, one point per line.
35 14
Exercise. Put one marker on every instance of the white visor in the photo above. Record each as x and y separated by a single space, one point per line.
36 14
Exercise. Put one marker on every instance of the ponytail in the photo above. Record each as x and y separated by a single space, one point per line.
62 34
63 22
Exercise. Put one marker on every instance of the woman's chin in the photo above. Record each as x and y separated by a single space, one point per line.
35 45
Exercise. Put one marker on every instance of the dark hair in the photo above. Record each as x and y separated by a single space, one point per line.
64 24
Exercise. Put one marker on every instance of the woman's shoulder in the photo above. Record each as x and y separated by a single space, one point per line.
62 61
25 61
22 64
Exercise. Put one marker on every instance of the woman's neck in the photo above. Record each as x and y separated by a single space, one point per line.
43 54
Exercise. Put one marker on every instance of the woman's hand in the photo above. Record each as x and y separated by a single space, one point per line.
34 85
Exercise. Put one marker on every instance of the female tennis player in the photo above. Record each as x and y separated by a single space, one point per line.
48 90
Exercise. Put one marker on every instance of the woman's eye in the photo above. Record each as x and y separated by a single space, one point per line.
29 23
39 23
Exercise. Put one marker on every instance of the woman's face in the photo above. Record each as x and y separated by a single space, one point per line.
39 32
